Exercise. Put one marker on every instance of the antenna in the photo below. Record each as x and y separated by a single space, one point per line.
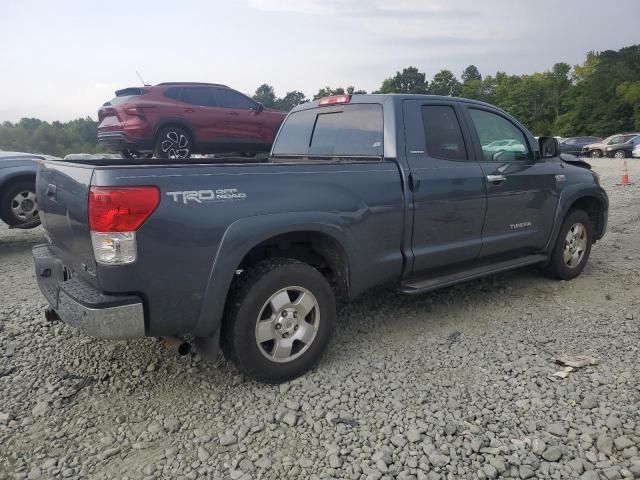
140 77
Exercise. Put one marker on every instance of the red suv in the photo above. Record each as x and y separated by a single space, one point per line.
174 120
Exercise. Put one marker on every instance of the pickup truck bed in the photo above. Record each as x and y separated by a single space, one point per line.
356 194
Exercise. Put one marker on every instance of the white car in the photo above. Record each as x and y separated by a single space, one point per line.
508 145
636 152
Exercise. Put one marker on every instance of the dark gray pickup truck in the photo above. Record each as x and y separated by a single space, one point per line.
419 192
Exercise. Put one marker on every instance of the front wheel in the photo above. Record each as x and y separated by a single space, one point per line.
572 248
173 142
279 320
18 204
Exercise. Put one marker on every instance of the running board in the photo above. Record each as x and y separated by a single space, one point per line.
434 281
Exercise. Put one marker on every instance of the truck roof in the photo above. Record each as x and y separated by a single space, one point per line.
393 97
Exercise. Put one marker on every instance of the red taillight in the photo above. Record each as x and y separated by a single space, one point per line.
134 111
123 209
334 100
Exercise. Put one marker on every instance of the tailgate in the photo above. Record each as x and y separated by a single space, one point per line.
62 190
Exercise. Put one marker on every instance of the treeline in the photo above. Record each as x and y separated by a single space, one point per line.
55 138
599 97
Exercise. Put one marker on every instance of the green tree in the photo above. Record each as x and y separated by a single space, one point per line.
410 80
445 83
266 95
291 100
471 74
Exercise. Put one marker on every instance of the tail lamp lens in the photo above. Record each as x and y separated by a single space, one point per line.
114 248
122 209
114 216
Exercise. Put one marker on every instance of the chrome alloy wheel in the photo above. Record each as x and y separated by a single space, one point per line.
287 324
575 244
24 206
175 145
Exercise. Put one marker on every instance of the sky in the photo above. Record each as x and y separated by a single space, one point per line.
61 59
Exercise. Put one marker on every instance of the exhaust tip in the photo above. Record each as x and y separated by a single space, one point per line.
182 347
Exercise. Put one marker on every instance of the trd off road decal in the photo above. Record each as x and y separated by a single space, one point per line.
207 196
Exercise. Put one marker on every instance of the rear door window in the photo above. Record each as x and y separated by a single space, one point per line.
442 133
173 93
200 96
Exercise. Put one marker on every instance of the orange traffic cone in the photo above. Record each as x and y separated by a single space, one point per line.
624 180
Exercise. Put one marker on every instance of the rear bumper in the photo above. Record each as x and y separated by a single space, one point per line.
82 306
121 141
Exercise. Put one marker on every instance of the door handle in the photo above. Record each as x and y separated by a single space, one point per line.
496 178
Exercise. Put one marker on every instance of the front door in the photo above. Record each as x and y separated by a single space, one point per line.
447 184
522 191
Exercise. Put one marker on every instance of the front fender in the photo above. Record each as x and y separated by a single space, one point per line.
569 195
245 234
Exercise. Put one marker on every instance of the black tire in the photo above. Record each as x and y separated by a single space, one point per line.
250 297
173 142
8 202
134 154
559 268
595 153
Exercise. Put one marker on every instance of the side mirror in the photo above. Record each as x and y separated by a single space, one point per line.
549 147
496 155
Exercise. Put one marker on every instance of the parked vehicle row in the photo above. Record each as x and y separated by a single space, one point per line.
359 191
619 146
178 119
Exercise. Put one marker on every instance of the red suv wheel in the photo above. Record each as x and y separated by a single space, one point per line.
173 142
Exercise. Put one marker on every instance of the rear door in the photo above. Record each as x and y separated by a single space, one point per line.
203 114
449 196
522 193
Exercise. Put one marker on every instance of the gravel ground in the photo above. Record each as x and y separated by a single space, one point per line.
454 384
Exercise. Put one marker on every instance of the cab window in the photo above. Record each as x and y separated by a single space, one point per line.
500 139
443 136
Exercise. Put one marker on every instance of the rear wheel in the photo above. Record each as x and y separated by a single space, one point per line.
572 248
18 203
173 142
279 320
596 153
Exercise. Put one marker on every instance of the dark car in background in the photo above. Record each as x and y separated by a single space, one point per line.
18 205
177 119
623 150
574 145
